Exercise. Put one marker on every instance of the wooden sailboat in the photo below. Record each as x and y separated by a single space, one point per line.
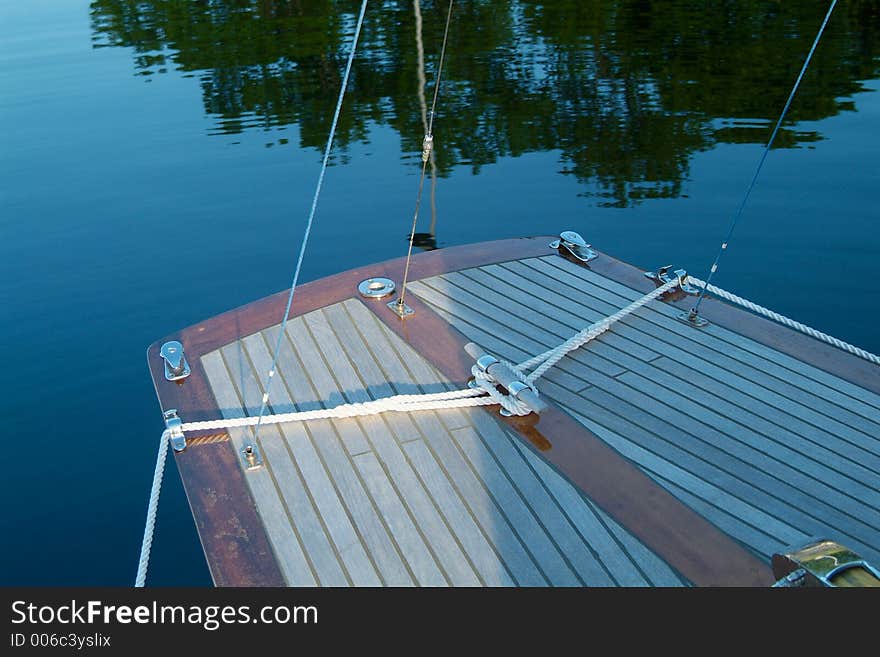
740 452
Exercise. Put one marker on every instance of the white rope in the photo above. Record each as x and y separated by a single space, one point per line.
782 319
484 393
402 403
549 358
152 508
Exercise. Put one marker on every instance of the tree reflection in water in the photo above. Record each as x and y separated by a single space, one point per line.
626 90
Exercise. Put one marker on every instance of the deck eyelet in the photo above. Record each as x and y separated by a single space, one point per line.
376 288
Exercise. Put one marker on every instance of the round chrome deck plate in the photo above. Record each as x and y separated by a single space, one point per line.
376 288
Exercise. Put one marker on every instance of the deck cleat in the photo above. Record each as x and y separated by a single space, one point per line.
662 276
176 367
571 243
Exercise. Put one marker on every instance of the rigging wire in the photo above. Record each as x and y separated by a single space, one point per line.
692 315
271 374
427 150
420 55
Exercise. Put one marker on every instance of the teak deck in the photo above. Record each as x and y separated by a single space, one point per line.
670 455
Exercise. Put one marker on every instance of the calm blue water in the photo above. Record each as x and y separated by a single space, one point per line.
166 176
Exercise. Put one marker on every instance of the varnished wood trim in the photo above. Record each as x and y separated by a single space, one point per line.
233 538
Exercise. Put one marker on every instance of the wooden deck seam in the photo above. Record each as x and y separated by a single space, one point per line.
512 324
322 459
751 465
841 448
452 317
402 363
545 508
298 469
707 400
519 446
719 332
349 457
423 439
497 506
441 463
566 327
682 493
709 485
741 343
237 391
328 369
563 365
799 508
657 314
677 350
601 518
391 431
598 515
530 514
809 528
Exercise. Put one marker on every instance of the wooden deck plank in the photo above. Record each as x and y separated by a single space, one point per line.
762 544
845 458
616 560
330 392
521 335
501 349
312 534
782 424
561 322
751 484
656 322
372 532
376 386
478 548
335 526
487 511
618 358
666 442
404 531
546 509
658 571
622 359
347 542
472 494
382 432
508 318
730 334
817 469
813 485
832 484
513 298
705 490
286 546
515 508
440 491
705 347
779 526
796 370
750 461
